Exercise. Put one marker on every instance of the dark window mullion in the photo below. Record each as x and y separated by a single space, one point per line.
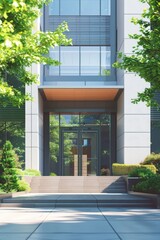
60 61
100 62
59 7
79 60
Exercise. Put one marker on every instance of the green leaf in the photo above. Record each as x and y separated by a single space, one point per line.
20 47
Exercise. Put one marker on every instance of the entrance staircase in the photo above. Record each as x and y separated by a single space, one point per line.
68 200
91 191
77 184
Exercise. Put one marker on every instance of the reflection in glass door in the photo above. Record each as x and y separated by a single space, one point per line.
79 144
70 153
89 157
79 152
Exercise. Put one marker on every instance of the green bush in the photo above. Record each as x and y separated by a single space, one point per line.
19 172
154 159
31 172
1 189
125 169
23 186
141 172
151 185
53 174
8 176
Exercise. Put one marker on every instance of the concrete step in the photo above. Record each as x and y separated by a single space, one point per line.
77 184
78 200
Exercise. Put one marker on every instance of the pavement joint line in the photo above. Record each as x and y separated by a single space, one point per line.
110 225
71 233
95 199
57 200
39 224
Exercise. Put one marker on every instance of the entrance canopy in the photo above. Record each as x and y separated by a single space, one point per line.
81 94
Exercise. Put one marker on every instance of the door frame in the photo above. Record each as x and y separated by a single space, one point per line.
79 130
46 148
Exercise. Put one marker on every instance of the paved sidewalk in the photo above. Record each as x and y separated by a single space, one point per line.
79 224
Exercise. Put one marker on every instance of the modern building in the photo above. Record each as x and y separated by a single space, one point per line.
82 119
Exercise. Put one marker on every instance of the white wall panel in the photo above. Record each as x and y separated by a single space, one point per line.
133 120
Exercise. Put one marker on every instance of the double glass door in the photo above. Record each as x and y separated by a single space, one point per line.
79 151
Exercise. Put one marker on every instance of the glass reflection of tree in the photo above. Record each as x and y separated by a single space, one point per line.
54 138
68 147
70 141
74 120
95 119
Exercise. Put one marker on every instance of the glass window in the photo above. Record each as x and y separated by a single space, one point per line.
54 7
69 61
54 54
54 144
89 119
155 136
69 7
105 151
105 60
90 7
90 61
105 7
94 119
69 120
53 120
95 61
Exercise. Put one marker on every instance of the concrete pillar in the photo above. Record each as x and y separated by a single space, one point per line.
133 121
34 122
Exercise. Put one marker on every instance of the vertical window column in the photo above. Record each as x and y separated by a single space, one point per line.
90 60
105 60
89 7
54 54
69 57
69 7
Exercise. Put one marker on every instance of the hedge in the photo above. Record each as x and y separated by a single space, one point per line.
31 172
154 159
124 169
150 185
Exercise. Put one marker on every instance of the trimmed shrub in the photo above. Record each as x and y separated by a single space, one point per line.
53 174
154 159
125 169
31 172
23 186
8 176
151 185
142 172
19 172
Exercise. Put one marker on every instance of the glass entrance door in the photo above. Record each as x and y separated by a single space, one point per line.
79 151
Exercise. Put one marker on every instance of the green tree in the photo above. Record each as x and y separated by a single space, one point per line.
21 46
8 176
145 57
14 132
